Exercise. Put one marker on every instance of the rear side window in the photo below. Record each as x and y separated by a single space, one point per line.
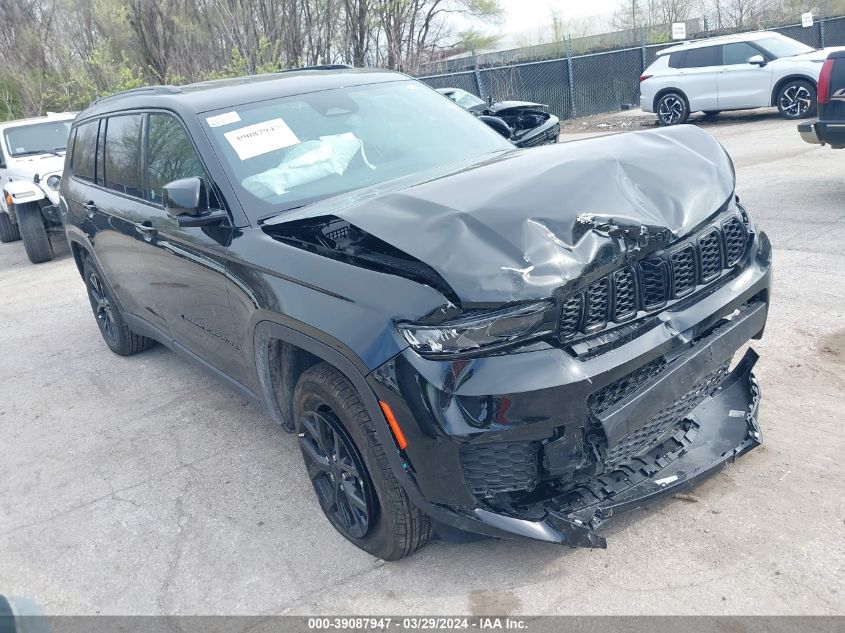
170 155
700 57
738 53
85 151
676 60
123 154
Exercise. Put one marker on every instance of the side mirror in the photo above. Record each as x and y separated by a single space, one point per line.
186 201
497 124
757 60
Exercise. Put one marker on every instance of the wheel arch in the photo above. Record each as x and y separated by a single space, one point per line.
271 337
664 91
785 80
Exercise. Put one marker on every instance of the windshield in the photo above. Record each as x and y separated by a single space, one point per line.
779 47
287 152
464 99
37 138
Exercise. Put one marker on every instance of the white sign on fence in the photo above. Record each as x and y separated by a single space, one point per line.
807 19
679 31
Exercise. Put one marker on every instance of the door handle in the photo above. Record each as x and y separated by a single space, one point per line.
146 230
90 209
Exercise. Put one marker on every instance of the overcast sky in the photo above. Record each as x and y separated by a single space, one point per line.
525 15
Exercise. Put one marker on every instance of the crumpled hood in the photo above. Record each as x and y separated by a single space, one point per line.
43 165
525 223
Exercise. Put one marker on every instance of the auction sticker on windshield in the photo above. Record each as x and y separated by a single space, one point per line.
261 138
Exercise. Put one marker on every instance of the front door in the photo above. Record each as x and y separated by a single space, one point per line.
743 85
186 265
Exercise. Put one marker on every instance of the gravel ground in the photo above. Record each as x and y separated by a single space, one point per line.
141 486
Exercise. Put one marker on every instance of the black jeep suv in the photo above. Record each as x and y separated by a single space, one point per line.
466 337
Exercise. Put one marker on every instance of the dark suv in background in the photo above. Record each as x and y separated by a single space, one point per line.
466 337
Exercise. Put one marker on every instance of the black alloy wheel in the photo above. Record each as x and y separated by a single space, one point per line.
337 472
102 307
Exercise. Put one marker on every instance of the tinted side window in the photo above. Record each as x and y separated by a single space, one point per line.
85 151
738 53
170 155
700 57
676 60
123 157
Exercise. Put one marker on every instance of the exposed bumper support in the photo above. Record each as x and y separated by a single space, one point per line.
726 428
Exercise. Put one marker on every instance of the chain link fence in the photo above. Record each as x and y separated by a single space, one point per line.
594 83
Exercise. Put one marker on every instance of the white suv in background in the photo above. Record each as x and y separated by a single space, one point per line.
734 72
32 157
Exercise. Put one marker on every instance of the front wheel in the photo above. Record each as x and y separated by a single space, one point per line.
349 471
8 231
672 109
797 100
36 242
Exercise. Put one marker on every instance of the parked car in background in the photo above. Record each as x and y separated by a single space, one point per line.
528 124
465 336
32 155
734 72
829 127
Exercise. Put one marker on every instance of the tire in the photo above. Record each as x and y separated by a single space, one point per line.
117 335
36 242
327 405
672 109
8 231
797 99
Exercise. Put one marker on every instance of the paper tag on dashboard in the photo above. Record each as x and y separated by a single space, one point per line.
223 119
261 138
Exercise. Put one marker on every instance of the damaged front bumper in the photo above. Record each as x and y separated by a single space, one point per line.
725 428
543 459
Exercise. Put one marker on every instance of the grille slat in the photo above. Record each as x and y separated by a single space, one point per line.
710 255
734 240
598 294
624 294
650 283
682 263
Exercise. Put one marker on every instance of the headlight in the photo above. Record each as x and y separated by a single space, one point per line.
54 181
487 330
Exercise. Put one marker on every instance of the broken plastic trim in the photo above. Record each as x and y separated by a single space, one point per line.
726 429
491 330
338 239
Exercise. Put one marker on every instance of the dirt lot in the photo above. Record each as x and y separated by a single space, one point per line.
142 486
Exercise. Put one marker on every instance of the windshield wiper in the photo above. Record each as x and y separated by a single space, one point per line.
55 151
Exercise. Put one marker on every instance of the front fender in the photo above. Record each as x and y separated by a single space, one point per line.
22 191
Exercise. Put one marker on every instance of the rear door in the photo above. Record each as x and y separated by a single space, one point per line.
743 85
698 77
114 205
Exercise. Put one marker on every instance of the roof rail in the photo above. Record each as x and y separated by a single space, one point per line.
143 89
319 67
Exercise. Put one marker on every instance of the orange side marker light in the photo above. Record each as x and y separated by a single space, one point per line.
394 425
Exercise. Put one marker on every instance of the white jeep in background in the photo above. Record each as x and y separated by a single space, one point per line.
32 157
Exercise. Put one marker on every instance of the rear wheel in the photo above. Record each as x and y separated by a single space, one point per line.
349 470
116 333
36 242
8 231
672 109
797 99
